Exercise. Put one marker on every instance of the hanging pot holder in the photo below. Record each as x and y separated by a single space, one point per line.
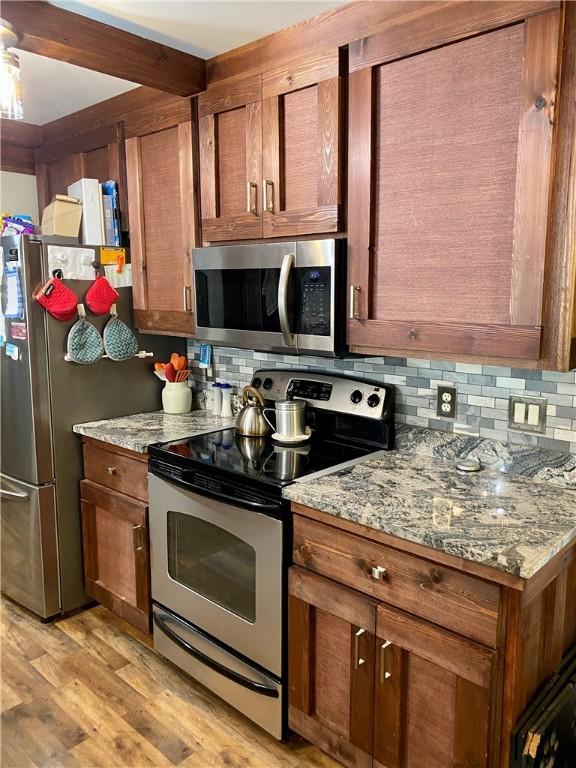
100 296
119 341
57 299
85 344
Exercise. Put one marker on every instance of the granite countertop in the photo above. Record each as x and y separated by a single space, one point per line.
139 431
503 521
516 459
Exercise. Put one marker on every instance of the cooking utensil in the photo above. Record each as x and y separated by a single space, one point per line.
170 373
251 422
290 420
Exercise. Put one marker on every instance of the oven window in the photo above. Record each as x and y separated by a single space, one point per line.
212 562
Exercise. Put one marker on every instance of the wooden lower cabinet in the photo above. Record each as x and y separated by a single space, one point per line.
331 669
374 686
116 552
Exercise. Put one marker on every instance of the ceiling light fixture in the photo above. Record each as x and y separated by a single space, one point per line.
10 84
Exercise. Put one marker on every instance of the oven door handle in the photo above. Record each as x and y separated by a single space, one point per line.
283 285
245 682
259 506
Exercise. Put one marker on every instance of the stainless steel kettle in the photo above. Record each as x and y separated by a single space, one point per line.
250 422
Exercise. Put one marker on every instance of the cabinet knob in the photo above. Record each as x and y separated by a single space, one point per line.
112 470
378 572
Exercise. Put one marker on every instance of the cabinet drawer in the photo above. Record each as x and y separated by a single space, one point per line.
116 469
446 597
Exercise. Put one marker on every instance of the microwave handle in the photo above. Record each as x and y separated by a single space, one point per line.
287 263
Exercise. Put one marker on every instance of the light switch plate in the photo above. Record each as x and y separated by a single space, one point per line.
527 414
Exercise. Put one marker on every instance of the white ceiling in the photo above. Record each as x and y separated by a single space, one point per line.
202 27
53 89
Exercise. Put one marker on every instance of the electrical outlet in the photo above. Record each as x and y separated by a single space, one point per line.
446 402
527 414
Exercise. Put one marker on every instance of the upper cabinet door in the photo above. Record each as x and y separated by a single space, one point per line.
163 229
230 139
97 154
450 144
301 160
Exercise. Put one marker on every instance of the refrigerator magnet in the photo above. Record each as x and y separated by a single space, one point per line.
12 351
18 331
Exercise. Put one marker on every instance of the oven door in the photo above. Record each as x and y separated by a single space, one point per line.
220 567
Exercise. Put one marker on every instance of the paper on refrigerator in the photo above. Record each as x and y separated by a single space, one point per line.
76 263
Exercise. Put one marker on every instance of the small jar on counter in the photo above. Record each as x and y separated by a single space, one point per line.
226 390
216 398
176 397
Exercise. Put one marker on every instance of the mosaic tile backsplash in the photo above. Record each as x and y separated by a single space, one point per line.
483 390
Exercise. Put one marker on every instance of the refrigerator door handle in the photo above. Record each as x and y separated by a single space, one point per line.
13 494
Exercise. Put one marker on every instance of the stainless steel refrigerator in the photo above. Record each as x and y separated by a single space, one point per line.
41 459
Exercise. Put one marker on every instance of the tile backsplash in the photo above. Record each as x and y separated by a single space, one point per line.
483 390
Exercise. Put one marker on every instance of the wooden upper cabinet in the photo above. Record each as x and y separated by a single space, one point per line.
230 141
163 228
450 144
97 154
270 154
301 160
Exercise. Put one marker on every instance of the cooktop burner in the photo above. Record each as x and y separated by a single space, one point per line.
257 458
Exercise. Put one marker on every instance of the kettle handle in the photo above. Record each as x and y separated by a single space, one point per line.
267 419
254 392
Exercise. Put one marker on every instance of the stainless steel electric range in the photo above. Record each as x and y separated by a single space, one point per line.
220 535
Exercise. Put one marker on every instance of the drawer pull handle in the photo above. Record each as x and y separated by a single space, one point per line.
268 185
137 537
112 470
353 313
187 298
358 661
251 198
378 572
383 674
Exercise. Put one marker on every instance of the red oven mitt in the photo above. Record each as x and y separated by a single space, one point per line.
57 299
100 296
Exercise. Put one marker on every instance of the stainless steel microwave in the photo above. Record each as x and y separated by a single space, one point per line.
279 297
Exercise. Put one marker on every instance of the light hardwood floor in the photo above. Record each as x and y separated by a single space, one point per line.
88 691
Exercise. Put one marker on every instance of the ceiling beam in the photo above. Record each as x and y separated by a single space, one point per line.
58 34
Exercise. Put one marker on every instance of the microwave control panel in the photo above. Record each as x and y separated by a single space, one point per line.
314 287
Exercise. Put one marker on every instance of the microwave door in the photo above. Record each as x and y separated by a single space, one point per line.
238 296
283 300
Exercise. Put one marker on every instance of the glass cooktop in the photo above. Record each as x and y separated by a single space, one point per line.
257 457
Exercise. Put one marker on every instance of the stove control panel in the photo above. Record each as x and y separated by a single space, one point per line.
341 394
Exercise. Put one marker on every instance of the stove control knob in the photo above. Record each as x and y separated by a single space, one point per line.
268 383
256 382
373 401
356 396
